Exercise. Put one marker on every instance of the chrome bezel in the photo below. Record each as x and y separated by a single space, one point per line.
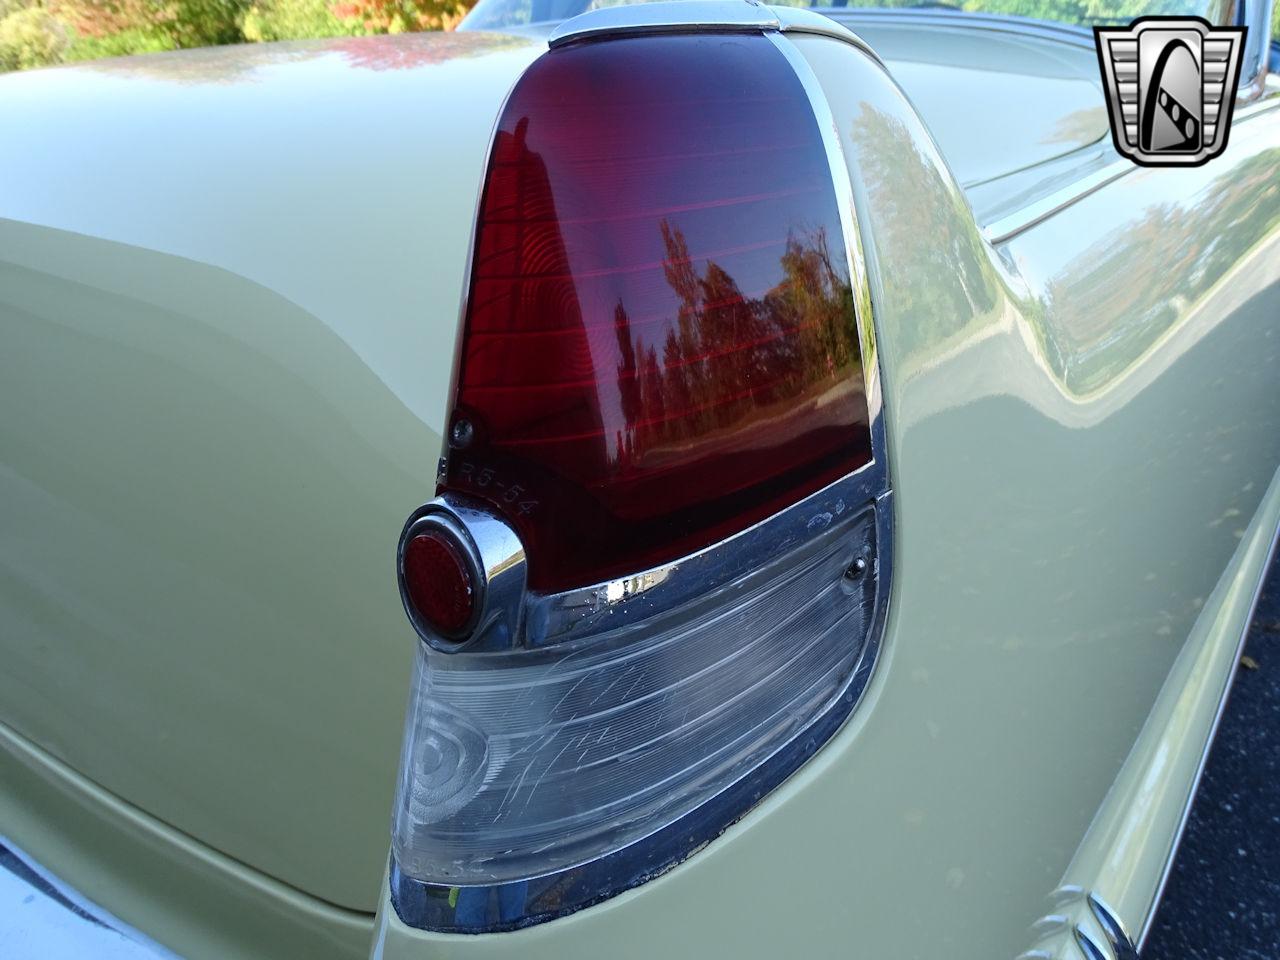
495 557
440 523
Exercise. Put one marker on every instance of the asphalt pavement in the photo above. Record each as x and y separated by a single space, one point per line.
42 918
1223 897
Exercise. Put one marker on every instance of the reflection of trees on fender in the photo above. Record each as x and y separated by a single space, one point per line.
728 358
925 221
238 63
406 51
1122 293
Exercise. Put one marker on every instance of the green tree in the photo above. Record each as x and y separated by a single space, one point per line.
203 23
31 37
270 20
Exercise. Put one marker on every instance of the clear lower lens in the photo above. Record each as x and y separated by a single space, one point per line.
519 764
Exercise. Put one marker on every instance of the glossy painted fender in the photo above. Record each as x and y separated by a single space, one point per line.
1082 426
224 368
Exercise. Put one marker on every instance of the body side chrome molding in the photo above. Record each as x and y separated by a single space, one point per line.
1073 34
1149 920
1010 225
1081 924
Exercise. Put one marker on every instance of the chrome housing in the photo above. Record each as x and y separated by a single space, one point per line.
496 558
858 506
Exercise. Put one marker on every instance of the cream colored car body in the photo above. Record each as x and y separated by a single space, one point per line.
229 289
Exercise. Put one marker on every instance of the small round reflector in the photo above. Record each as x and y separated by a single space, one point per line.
439 582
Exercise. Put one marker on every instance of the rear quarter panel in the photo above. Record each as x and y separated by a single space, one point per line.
229 286
1082 424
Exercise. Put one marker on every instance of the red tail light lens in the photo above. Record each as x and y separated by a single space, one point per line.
439 583
660 346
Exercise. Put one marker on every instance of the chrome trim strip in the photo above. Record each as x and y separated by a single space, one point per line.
1149 921
1083 919
1008 226
1069 33
542 619
810 21
571 614
1088 947
666 16
700 16
839 167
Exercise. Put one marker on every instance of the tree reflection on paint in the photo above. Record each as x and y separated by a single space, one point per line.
923 220
242 62
728 358
1113 301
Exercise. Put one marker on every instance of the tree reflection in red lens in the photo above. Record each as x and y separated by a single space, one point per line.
660 346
